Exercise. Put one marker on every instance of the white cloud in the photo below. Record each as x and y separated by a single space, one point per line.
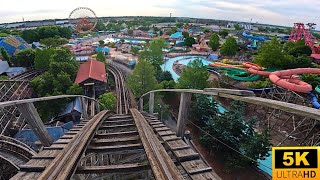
283 12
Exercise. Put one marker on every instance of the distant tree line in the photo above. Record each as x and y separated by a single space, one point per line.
35 35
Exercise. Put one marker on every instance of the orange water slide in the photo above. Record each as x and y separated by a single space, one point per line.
281 79
255 69
225 66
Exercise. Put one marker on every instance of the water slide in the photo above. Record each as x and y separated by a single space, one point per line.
314 100
281 79
257 38
235 72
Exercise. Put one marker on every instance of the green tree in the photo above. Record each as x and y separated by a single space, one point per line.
312 79
108 101
53 42
130 32
236 130
4 54
2 77
153 54
300 50
135 50
75 89
42 58
271 55
194 76
165 76
185 34
237 27
30 35
223 33
229 48
189 41
203 107
100 26
101 43
214 42
173 30
64 32
24 58
101 57
142 78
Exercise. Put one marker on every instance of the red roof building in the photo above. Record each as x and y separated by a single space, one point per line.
92 69
92 73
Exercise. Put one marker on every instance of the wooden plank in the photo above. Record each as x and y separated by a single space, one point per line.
114 148
32 168
160 162
303 111
123 168
162 129
116 134
115 141
116 126
186 155
230 91
31 115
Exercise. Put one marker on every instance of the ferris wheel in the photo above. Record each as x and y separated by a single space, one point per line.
84 19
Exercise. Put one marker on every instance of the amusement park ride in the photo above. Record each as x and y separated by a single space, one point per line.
302 31
84 19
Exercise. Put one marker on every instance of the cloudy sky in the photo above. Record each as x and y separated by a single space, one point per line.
280 12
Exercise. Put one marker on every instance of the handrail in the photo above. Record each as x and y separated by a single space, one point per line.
249 97
24 101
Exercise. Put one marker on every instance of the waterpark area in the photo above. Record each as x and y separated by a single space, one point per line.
268 62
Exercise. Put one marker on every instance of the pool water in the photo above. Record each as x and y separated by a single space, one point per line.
267 162
167 66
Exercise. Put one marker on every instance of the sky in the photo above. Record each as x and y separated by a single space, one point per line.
278 12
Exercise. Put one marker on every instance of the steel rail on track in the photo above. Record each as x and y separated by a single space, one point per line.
161 164
65 164
122 103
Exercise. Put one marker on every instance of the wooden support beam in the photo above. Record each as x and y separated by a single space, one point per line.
31 168
230 91
116 148
151 103
84 108
185 101
31 115
121 168
141 105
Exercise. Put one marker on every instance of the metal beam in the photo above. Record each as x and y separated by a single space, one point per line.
31 115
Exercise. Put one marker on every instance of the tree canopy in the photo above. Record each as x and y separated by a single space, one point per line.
142 78
108 101
194 76
43 32
53 42
4 54
272 54
100 26
153 53
214 42
24 58
61 72
223 33
189 41
229 48
236 130
101 57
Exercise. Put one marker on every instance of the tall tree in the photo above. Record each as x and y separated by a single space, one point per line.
108 101
189 41
100 26
53 42
42 58
229 48
153 54
185 34
24 58
214 42
236 130
4 54
223 33
142 78
101 57
194 76
30 35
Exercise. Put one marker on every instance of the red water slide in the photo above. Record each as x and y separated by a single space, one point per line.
281 79
255 69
